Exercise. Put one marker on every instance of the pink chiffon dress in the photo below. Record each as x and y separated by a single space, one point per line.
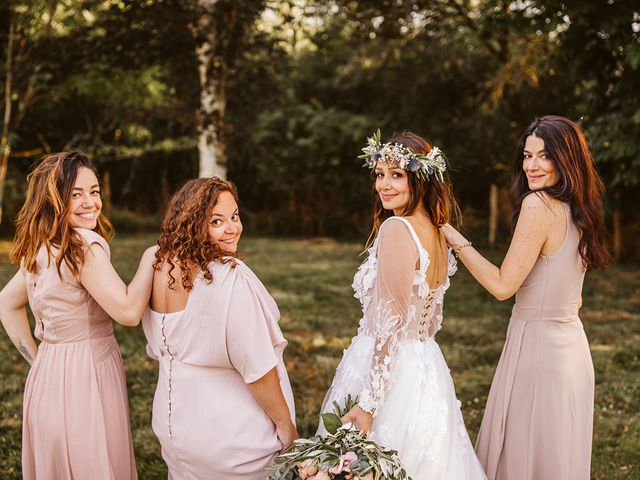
538 422
76 414
208 423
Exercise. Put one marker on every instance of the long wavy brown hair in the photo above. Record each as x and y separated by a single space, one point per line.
44 217
184 241
579 184
434 195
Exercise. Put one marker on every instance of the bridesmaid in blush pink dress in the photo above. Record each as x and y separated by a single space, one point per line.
538 420
76 418
223 407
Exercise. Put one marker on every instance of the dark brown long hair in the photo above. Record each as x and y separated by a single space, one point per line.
434 195
43 219
184 239
579 183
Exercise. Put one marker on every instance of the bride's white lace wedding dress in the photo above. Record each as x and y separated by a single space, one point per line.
395 366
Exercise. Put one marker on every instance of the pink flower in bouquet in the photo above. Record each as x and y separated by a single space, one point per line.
307 469
345 460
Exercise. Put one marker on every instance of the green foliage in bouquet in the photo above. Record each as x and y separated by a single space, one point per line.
344 454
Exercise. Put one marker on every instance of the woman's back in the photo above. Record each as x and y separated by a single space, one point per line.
78 377
555 282
221 336
63 309
433 241
163 298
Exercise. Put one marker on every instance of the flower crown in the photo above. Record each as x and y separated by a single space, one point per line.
433 163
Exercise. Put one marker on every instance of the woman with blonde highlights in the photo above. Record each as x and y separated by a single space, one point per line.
223 406
538 420
76 419
394 366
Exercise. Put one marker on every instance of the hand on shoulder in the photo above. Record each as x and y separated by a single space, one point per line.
452 236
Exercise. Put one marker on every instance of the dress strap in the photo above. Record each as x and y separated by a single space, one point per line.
420 275
412 231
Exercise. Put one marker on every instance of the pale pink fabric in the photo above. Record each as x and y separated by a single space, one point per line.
207 421
76 417
539 416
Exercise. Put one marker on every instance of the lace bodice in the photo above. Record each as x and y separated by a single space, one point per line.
398 304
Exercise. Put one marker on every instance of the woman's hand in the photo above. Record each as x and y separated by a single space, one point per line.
268 393
358 418
287 434
149 255
452 236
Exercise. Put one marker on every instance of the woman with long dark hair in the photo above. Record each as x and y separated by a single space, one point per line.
394 366
75 415
538 420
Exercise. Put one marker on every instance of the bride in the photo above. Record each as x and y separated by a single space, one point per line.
406 397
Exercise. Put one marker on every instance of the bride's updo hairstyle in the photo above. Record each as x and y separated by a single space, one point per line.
435 195
184 238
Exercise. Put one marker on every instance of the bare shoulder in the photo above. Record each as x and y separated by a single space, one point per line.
541 205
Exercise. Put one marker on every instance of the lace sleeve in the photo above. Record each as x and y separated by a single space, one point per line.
386 316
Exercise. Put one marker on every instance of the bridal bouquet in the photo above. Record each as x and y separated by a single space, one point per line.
344 454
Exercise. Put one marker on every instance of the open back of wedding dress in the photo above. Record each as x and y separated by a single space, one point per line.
394 365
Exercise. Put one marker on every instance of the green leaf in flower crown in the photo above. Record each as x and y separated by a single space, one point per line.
331 422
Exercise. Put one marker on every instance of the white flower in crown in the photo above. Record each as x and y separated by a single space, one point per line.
424 166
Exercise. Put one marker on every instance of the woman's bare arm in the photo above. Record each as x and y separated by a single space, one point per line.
124 303
532 230
13 314
268 394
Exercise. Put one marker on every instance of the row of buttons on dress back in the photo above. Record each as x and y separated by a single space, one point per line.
166 346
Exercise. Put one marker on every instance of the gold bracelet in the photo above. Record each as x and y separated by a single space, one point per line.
456 251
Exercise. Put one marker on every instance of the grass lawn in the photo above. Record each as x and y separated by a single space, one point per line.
311 281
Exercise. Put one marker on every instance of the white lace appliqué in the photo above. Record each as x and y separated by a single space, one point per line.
386 331
421 321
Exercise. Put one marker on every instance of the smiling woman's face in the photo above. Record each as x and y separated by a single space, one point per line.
540 171
392 185
224 225
85 203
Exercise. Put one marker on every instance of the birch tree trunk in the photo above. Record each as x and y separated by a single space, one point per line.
5 144
212 67
218 28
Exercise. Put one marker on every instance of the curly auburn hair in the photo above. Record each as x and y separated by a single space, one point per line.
184 240
43 220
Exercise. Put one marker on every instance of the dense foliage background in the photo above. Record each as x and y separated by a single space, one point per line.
304 82
298 85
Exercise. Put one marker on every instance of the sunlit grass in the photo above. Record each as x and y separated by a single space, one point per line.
311 281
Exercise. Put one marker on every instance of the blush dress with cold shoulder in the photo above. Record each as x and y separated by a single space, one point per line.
394 364
204 415
76 416
538 420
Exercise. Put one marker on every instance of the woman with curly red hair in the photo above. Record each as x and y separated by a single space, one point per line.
76 419
223 406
